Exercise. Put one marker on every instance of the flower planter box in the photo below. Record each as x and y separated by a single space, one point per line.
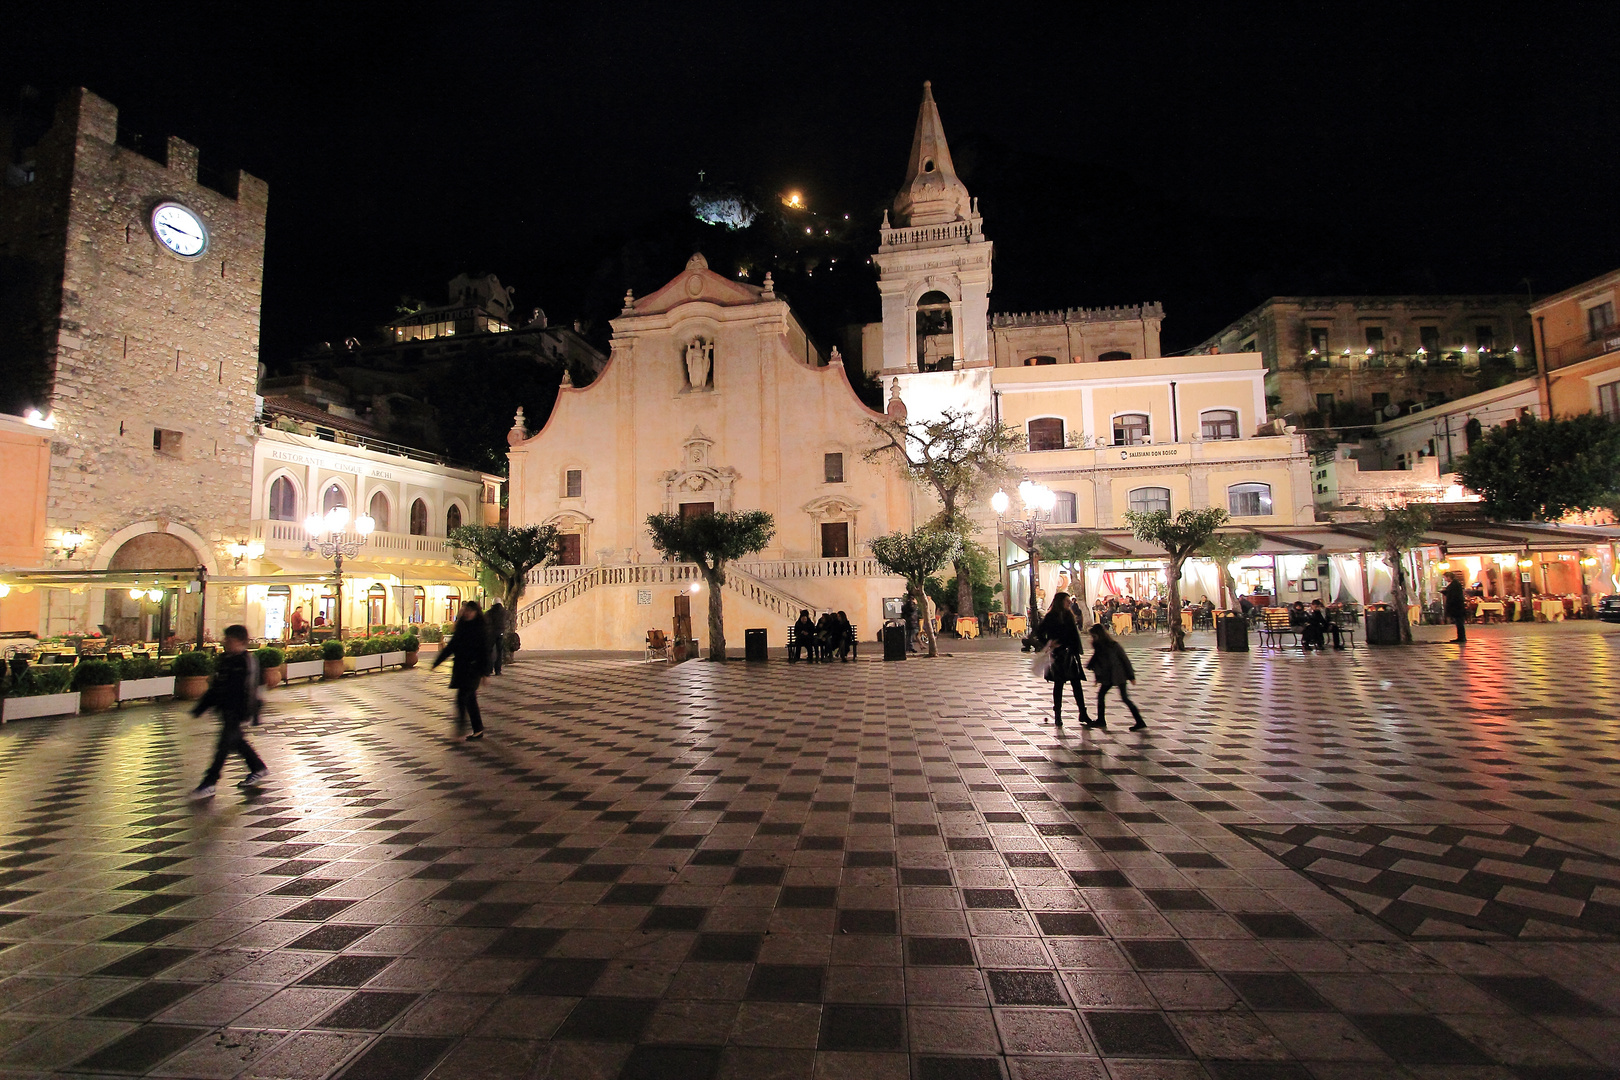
94 699
134 689
373 662
389 659
190 687
22 708
304 669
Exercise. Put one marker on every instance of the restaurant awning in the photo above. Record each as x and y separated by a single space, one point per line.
1349 538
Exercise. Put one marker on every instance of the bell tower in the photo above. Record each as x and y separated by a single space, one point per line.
933 262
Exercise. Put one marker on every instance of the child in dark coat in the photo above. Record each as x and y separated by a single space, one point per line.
234 691
1112 668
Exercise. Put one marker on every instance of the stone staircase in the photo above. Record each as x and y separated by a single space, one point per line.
577 581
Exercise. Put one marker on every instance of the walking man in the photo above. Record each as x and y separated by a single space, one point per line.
469 645
496 616
234 691
1456 606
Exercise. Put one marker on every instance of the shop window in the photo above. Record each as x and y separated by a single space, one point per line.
1064 511
835 540
1249 500
1145 500
277 609
418 518
1114 354
574 484
1219 424
1046 433
452 518
832 467
569 555
1131 429
283 500
333 498
379 511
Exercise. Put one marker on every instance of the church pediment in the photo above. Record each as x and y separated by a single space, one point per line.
696 284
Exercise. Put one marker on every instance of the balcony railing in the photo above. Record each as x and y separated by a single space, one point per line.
285 536
1573 352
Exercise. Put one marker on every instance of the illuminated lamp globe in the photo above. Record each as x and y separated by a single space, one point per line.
364 524
999 502
136 594
312 524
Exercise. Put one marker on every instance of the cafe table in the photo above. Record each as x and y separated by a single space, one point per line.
1123 622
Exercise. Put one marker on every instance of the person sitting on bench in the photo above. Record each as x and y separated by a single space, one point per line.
804 638
1318 626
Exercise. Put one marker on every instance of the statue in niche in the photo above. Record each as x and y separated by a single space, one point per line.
699 363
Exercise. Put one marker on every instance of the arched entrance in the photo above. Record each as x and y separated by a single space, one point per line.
143 618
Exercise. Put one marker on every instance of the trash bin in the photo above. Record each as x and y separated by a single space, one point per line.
894 641
1383 626
1231 632
754 644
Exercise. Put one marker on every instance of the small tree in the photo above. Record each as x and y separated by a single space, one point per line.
1542 470
1072 551
914 556
711 541
959 458
506 553
1399 531
1224 549
1179 536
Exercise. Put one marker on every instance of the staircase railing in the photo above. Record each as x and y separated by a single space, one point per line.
777 601
743 578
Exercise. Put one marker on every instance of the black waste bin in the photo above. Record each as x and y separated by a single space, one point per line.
754 644
894 642
1383 626
1231 632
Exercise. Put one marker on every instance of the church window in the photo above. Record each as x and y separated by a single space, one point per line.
333 498
1116 354
1219 424
1046 433
835 540
574 483
418 518
283 500
833 468
569 555
1146 500
452 518
1131 429
1249 500
379 511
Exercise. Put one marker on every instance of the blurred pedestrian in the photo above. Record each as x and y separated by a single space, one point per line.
469 646
496 617
1112 667
234 691
1456 605
1062 636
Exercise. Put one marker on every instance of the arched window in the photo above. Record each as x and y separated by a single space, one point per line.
1046 433
1249 500
418 518
418 604
1039 361
1219 423
1064 511
379 511
452 604
1145 500
1131 429
283 500
1117 354
332 498
452 518
376 605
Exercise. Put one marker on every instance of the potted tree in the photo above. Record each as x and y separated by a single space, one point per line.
271 660
191 671
332 659
97 684
411 646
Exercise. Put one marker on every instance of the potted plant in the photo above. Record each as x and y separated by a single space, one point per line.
393 650
304 662
411 646
142 677
97 684
332 660
271 660
42 690
191 671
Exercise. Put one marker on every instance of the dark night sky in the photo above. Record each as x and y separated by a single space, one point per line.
1203 155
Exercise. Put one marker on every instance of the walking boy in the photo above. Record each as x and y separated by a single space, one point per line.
234 691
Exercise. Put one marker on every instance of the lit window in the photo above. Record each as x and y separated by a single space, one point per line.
1131 429
1219 424
1064 510
379 511
332 498
1046 433
1146 500
1249 500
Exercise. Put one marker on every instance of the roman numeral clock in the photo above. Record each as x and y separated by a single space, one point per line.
179 229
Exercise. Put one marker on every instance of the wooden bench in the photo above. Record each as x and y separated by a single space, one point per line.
794 647
1274 625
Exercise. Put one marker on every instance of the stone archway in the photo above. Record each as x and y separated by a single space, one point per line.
175 615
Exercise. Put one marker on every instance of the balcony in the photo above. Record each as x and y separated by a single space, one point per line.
1574 351
288 538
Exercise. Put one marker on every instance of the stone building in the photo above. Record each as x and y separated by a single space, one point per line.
1579 334
132 327
1351 361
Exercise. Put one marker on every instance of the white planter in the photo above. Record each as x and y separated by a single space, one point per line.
305 669
372 662
390 659
21 708
130 689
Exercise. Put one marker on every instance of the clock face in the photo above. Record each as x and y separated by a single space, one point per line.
179 230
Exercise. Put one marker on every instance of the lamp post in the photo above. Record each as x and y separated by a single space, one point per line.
329 535
1038 500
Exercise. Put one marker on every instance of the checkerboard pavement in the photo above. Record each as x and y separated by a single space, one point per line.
1397 863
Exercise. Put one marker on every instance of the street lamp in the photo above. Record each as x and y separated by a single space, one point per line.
245 549
330 536
1038 500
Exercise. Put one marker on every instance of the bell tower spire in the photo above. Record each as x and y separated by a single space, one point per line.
932 194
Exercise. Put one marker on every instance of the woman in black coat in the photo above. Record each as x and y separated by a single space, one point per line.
469 646
1112 668
1062 635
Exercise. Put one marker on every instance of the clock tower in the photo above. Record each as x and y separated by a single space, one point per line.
129 319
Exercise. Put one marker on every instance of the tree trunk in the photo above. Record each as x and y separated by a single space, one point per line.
1178 637
1397 589
919 596
716 579
1077 582
964 592
1229 589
